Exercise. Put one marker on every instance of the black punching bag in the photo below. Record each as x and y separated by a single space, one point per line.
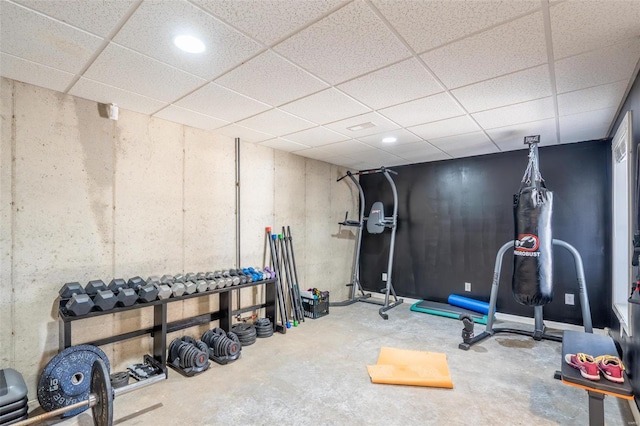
533 249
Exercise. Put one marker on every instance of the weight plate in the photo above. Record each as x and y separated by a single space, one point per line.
202 346
67 378
174 349
101 389
189 339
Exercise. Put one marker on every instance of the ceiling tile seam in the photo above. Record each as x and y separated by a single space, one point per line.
373 71
594 86
606 47
520 123
509 105
587 112
497 76
131 91
105 42
227 122
225 23
475 33
430 71
328 83
248 128
44 15
212 80
635 74
280 40
37 63
546 21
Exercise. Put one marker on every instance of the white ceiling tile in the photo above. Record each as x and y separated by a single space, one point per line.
395 84
586 126
428 157
32 36
356 165
283 145
599 97
221 102
448 127
409 149
276 122
103 93
465 145
428 24
190 118
97 17
402 137
350 148
600 66
271 79
33 73
317 136
524 112
317 154
152 28
268 20
128 70
340 160
377 157
579 26
425 110
510 138
495 52
245 134
347 43
506 90
325 107
381 125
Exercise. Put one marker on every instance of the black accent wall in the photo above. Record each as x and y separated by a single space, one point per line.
454 215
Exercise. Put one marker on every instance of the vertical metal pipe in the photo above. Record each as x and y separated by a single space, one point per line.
238 212
355 280
393 237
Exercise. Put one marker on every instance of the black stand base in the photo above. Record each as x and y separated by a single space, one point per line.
351 301
187 372
536 335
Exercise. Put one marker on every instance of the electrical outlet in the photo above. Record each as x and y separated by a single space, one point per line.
467 286
569 299
384 276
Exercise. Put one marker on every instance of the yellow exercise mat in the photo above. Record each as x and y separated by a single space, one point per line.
415 368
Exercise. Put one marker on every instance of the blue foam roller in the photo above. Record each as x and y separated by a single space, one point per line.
467 303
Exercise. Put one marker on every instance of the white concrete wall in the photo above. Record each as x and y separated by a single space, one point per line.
83 197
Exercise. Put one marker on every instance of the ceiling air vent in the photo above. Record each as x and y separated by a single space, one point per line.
361 126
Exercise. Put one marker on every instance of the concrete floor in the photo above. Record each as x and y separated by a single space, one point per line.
316 374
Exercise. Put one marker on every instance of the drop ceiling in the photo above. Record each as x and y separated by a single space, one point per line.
329 79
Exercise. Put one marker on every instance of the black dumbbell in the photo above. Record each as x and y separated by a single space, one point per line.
146 292
103 298
78 302
126 296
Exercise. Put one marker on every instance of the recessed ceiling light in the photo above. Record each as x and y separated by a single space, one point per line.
389 139
189 44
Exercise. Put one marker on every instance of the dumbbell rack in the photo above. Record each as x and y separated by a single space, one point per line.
161 327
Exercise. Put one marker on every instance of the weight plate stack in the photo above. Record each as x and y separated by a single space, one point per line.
119 379
67 378
264 328
245 332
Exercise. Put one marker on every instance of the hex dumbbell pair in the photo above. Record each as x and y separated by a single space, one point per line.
78 301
